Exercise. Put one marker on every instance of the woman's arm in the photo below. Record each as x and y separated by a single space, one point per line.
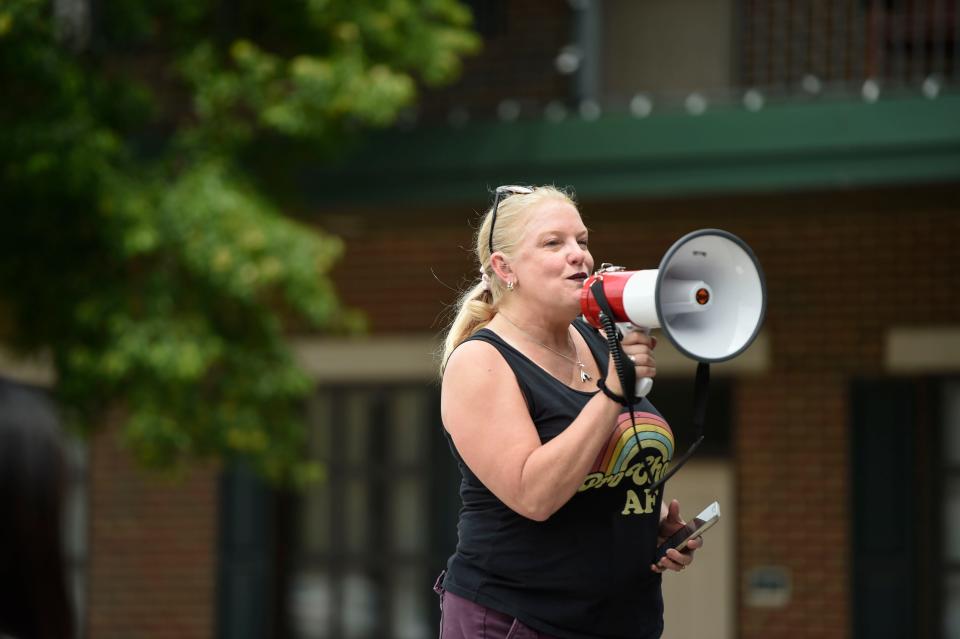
485 413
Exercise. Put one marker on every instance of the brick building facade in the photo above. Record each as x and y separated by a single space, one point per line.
845 271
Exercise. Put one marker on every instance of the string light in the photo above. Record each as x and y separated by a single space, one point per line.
590 110
555 111
695 103
508 110
641 106
753 100
931 87
568 60
811 84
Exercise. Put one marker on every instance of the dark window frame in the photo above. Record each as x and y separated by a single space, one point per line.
377 560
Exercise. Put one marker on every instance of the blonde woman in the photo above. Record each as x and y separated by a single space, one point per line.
556 533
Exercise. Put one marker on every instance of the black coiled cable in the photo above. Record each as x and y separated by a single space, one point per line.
628 384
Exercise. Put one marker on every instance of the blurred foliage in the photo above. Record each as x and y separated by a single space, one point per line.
139 244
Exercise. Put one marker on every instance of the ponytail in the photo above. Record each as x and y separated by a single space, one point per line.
474 310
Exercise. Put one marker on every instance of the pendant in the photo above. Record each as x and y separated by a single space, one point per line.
584 375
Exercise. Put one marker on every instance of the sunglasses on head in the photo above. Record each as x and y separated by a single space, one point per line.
500 194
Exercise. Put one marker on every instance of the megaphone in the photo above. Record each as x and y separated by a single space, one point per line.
708 296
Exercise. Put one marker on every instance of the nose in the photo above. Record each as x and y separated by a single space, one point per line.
577 254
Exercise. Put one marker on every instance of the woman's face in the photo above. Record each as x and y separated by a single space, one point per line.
551 260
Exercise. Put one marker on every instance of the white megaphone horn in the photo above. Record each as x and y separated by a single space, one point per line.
708 297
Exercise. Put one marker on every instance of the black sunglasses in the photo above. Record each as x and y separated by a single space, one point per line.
510 189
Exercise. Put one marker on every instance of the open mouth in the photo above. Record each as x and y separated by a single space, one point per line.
579 277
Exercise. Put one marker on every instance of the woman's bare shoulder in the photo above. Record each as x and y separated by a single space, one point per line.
474 361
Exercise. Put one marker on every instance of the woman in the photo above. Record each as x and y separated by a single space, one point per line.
556 534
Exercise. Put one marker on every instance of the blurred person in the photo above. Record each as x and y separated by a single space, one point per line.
556 532
34 603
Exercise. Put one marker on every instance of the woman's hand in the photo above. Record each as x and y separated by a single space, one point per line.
671 522
638 346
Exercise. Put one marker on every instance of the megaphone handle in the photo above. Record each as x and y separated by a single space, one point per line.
644 384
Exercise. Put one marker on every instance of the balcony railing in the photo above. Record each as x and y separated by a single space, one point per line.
595 57
819 45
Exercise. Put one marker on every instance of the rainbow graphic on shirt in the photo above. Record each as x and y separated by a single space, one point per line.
622 459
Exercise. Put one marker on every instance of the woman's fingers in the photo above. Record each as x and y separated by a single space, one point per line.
643 361
673 560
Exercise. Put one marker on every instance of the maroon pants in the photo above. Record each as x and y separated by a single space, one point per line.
463 619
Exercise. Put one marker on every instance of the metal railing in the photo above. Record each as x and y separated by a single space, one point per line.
816 45
780 51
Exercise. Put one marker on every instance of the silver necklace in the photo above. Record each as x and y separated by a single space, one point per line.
584 375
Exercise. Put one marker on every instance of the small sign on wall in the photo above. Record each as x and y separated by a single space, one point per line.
768 587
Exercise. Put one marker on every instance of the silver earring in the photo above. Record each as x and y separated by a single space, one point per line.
509 285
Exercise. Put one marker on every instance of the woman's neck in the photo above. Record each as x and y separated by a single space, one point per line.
545 328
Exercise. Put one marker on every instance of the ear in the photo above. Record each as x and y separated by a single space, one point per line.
500 266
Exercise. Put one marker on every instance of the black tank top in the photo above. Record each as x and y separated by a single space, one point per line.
584 573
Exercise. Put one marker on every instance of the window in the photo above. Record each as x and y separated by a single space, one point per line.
369 541
845 42
905 483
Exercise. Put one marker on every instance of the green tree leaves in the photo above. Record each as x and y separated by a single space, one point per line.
136 244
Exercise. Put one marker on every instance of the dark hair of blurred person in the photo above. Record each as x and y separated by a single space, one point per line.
34 603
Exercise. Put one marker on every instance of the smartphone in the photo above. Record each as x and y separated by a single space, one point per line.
693 529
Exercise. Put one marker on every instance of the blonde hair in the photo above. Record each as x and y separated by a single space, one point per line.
478 304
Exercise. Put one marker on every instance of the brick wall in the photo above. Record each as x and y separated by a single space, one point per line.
792 470
856 262
152 570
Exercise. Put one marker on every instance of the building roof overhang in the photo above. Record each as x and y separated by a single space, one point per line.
784 147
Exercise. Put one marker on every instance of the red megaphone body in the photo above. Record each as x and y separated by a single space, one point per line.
638 298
